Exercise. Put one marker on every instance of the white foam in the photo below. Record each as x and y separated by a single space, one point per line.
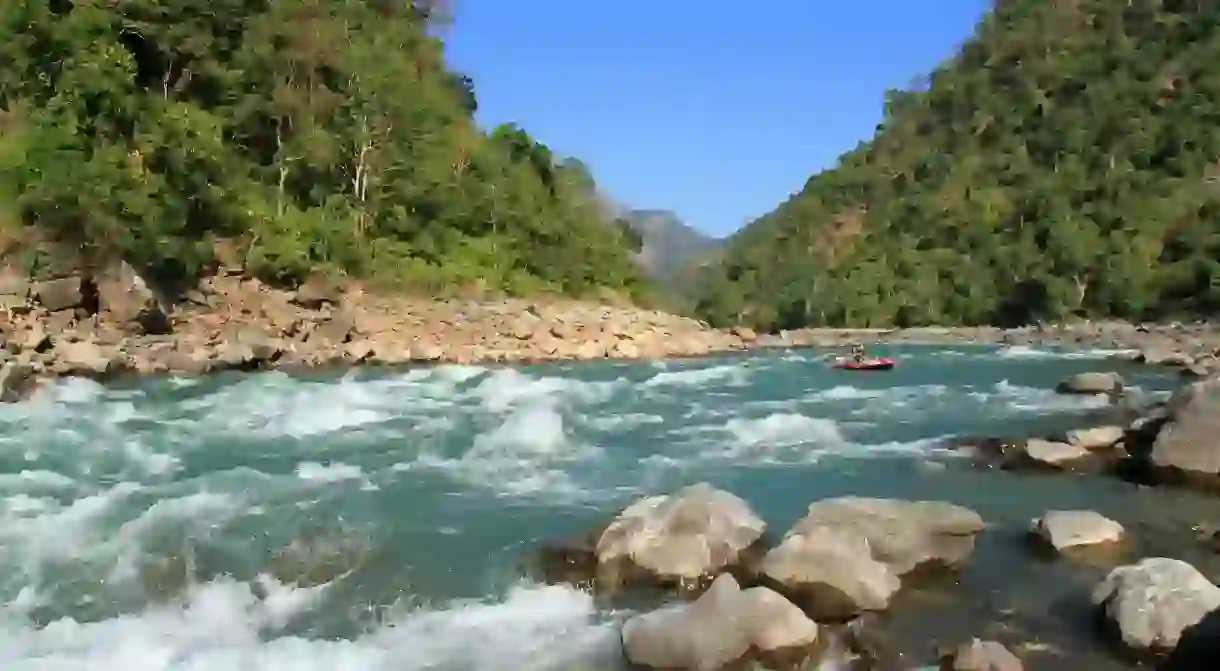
1017 398
782 430
527 454
225 625
314 471
791 438
1032 352
900 394
734 374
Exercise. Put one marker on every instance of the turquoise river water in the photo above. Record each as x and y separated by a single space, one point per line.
378 520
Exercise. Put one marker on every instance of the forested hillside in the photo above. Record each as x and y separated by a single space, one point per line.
1065 160
312 133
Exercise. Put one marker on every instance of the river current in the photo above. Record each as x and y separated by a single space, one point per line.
378 520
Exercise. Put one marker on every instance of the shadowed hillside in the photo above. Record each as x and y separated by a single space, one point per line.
668 243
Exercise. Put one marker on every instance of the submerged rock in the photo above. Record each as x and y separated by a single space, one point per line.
981 656
830 573
1066 529
684 538
723 628
1151 604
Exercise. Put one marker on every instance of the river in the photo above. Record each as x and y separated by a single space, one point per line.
378 520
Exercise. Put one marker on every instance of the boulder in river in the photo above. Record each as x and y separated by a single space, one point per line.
1092 383
1187 448
681 539
904 535
1097 438
981 656
1063 530
1040 454
1151 604
831 573
726 627
1163 356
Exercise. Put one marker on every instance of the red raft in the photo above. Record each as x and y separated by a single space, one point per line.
879 363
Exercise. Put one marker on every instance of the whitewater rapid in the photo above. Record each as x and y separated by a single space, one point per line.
143 528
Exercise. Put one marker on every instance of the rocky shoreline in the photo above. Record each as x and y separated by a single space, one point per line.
824 590
1192 347
112 323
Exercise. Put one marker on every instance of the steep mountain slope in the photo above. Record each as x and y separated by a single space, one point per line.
1067 159
667 242
313 133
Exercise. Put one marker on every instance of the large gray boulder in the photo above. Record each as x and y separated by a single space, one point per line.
1187 448
831 573
1092 383
981 656
904 535
1151 604
684 538
1040 454
725 628
1067 529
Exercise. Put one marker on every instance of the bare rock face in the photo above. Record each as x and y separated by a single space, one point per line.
1152 603
727 627
684 538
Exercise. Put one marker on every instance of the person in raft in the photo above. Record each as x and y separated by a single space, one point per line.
857 353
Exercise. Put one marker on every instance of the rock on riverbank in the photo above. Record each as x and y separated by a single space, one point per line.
114 322
810 595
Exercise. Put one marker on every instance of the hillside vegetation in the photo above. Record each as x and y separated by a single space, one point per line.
308 133
1065 161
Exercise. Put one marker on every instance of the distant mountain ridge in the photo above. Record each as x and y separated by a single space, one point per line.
668 242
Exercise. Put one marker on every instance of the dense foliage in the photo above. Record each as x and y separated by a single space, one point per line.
1065 161
313 133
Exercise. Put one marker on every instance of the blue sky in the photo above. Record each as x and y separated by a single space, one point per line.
717 114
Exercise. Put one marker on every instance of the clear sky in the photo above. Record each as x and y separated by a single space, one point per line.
711 109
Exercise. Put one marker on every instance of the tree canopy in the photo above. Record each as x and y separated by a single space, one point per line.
313 133
1066 160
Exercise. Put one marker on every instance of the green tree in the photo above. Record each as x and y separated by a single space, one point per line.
1063 161
314 133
